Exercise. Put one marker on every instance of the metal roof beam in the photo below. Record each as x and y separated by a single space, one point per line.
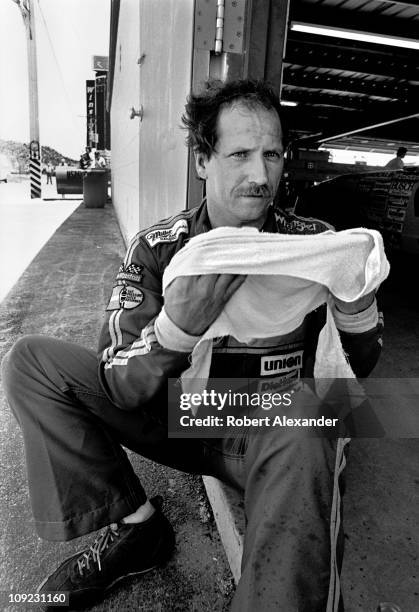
301 49
368 127
372 22
332 132
322 98
396 132
320 123
409 3
369 87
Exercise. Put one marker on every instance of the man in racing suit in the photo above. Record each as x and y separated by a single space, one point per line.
75 417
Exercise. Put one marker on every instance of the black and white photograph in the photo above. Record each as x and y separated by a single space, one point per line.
209 316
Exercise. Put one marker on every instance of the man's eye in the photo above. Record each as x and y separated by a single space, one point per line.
273 154
240 154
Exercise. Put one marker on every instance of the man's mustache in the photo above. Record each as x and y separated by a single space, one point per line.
258 191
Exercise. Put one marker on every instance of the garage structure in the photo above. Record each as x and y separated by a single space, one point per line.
342 86
334 90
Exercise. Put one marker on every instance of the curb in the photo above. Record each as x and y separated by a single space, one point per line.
228 509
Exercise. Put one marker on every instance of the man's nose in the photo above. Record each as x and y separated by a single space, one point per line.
257 171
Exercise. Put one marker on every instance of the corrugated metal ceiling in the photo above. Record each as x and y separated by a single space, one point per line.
339 83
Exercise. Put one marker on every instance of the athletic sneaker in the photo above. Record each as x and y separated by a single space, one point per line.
121 550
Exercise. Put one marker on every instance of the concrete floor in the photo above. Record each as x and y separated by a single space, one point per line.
26 225
62 293
382 497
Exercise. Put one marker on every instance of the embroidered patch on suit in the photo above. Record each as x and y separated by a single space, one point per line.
132 272
281 364
170 234
292 224
125 296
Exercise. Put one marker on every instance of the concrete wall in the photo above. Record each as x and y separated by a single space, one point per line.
166 35
125 131
149 157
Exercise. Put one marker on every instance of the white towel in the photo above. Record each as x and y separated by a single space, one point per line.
288 276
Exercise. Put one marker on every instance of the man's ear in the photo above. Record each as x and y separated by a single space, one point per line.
201 161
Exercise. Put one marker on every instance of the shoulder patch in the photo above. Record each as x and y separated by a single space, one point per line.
168 222
130 272
126 297
168 234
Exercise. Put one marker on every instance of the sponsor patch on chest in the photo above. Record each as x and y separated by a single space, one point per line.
170 234
294 225
281 364
125 296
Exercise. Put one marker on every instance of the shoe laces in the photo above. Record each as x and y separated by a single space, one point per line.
92 555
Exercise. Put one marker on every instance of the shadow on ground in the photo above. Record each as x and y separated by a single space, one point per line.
63 293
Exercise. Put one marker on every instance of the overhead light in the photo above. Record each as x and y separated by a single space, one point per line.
393 41
288 103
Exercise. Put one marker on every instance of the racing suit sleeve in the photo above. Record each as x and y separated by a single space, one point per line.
133 365
361 336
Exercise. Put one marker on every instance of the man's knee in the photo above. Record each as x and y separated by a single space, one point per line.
316 457
317 450
17 361
293 451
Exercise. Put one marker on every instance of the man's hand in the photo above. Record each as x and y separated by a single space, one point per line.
194 302
353 307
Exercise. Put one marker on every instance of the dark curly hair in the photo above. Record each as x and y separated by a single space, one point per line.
202 109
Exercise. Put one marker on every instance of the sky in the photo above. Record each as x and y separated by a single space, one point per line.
68 34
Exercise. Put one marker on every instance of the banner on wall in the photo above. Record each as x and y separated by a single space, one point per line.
90 113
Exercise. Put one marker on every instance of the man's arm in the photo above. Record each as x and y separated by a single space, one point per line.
141 344
361 328
211 293
133 366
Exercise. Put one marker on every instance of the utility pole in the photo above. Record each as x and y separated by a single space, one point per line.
27 10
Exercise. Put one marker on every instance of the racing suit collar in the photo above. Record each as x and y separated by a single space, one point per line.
203 224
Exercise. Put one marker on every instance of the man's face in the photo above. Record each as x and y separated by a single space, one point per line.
243 173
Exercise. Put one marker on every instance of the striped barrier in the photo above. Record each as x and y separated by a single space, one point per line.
35 168
35 176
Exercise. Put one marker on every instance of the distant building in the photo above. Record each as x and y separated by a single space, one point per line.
97 121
